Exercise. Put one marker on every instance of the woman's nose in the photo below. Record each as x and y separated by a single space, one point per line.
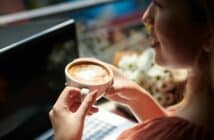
147 17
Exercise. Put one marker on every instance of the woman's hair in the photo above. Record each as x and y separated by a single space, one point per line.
209 8
197 12
202 13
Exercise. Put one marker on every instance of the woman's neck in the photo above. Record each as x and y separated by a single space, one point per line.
198 104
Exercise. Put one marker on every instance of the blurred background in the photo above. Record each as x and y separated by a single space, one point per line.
110 30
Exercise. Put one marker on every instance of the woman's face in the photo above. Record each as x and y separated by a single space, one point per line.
175 37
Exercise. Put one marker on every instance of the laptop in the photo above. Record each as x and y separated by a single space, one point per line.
103 125
32 60
32 76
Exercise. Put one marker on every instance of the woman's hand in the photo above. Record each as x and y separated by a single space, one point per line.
68 114
136 98
124 90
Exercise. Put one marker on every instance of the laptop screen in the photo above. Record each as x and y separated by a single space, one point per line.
32 76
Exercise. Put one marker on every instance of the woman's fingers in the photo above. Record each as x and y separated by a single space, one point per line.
87 103
93 110
66 96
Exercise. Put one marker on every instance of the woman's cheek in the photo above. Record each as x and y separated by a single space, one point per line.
163 29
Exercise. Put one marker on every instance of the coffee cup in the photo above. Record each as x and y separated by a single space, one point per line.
89 74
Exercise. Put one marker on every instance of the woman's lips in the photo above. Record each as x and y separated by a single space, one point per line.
155 44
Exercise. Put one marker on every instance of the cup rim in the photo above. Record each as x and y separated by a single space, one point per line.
89 60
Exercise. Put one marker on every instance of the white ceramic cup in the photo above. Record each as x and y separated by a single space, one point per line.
82 72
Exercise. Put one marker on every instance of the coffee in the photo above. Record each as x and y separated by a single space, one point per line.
89 73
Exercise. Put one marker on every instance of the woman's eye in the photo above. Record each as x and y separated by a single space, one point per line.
156 3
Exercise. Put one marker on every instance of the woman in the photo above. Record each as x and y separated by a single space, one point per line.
182 36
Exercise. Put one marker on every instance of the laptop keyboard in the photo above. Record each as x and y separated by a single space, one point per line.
94 129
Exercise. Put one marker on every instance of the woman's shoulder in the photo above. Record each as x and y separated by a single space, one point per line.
166 128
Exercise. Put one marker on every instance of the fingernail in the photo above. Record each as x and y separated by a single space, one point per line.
94 93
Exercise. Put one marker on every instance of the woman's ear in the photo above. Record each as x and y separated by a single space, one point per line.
208 41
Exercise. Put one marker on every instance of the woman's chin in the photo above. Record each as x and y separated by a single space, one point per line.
159 61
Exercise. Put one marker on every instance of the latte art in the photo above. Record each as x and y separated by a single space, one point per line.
89 73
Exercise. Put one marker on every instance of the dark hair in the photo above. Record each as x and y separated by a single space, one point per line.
197 12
